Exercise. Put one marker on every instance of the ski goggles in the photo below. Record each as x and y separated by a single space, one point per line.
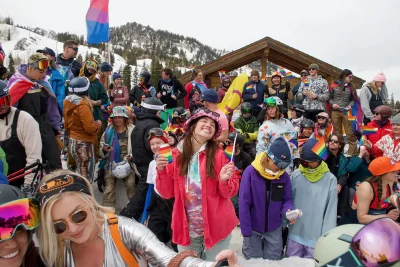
41 65
5 100
22 212
92 65
77 217
376 244
206 110
246 110
156 132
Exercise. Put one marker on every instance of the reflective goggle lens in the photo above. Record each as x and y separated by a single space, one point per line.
21 212
5 100
155 132
91 64
78 217
246 110
42 65
378 243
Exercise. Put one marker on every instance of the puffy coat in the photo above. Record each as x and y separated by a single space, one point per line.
373 138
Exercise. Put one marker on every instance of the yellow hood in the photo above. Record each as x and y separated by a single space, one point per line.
257 165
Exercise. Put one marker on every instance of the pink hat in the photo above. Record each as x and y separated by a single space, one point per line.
380 77
204 112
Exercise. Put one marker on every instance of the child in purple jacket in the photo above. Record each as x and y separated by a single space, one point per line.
265 192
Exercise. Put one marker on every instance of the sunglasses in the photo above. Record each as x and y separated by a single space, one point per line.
22 212
5 100
74 48
77 217
206 110
375 244
321 117
304 75
350 77
377 114
157 132
335 141
312 69
41 65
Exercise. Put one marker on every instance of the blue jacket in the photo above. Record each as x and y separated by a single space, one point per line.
58 84
253 210
248 94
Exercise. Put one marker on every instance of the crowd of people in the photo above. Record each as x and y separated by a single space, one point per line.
191 174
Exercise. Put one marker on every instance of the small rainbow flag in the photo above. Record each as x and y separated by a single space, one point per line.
301 141
249 87
289 75
263 79
361 142
350 116
282 71
306 83
229 151
191 67
320 149
166 151
367 130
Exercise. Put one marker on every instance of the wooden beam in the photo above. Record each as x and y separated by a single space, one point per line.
264 59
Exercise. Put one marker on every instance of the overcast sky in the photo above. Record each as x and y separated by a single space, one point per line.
363 36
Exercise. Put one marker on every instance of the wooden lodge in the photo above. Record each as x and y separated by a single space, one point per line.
266 49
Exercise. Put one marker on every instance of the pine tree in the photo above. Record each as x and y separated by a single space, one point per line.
155 70
9 34
11 64
79 58
127 76
120 70
135 76
397 106
392 103
86 55
112 58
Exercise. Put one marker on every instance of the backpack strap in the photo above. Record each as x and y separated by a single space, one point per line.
123 251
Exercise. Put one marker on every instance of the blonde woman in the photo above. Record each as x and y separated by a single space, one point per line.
76 230
372 95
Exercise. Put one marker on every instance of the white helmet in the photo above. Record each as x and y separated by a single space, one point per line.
278 101
120 170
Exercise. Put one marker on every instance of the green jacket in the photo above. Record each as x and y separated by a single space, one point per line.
250 127
97 92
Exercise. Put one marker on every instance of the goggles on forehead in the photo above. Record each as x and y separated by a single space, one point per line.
19 213
206 110
91 64
41 65
376 244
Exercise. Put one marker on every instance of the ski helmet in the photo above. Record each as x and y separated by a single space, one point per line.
146 76
79 86
239 138
246 107
279 101
152 105
306 123
299 109
120 170
179 112
275 74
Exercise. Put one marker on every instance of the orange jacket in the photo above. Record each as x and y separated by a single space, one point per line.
78 120
218 212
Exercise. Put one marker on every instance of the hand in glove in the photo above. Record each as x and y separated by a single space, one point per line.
287 85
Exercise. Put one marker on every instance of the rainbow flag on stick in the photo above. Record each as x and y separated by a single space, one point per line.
263 79
350 116
249 87
361 142
98 29
166 151
320 149
306 83
229 152
367 130
289 75
282 71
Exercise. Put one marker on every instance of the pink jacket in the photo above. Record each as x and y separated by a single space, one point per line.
218 212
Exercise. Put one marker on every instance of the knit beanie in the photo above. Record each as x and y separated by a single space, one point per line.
279 152
255 73
396 119
116 76
307 154
314 66
105 67
380 77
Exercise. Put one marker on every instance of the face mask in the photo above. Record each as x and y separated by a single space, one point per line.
271 172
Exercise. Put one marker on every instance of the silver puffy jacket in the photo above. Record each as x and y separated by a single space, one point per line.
143 244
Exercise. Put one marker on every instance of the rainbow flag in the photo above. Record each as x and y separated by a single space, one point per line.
289 75
250 86
98 29
320 149
294 142
191 67
263 79
350 116
367 130
166 152
228 151
282 71
306 83
301 141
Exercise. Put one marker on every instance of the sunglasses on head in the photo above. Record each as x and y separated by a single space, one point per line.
375 244
41 64
157 132
206 110
19 213
77 217
74 48
321 117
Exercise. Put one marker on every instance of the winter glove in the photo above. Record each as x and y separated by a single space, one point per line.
287 85
100 179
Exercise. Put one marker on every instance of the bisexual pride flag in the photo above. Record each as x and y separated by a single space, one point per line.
98 29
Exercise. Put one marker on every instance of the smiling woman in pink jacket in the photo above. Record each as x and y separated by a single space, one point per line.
202 180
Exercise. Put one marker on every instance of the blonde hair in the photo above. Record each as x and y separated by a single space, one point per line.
51 246
373 86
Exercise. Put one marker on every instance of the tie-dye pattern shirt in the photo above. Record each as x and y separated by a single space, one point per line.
193 204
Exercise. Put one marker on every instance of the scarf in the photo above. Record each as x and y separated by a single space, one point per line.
85 73
265 173
314 175
111 138
382 123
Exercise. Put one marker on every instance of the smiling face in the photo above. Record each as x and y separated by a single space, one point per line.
254 78
118 121
67 205
12 251
205 129
199 77
322 120
155 144
307 132
276 80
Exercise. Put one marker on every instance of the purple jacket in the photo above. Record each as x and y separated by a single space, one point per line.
253 201
52 104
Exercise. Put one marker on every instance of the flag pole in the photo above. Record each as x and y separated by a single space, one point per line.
234 146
